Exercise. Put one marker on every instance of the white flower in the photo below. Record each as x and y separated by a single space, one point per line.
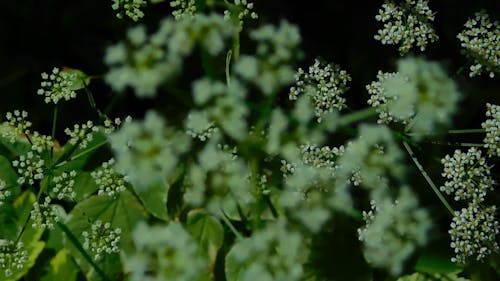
406 24
492 127
30 167
13 256
481 40
109 181
102 239
57 86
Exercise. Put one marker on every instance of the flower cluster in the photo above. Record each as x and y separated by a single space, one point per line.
379 100
198 125
406 24
13 256
473 231
169 253
44 215
102 239
467 176
481 41
19 124
4 193
63 186
277 47
108 181
420 94
280 252
57 86
145 61
474 228
129 8
492 127
239 10
81 134
393 230
183 8
41 142
147 148
324 84
30 167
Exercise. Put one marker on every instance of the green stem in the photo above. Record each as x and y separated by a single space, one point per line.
231 226
76 243
92 101
428 179
54 124
82 153
465 144
356 116
228 64
452 132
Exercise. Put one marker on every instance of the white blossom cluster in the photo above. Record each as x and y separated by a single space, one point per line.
44 215
473 229
145 61
183 8
129 8
393 230
147 151
277 46
110 126
379 100
63 186
198 125
168 253
30 167
320 156
4 193
492 127
13 256
81 134
41 142
102 239
57 86
481 41
473 233
406 24
324 84
467 175
19 124
280 252
240 9
420 95
109 182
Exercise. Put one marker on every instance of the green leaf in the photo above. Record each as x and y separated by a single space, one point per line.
208 231
81 77
84 186
436 264
62 267
75 158
34 249
432 277
155 200
7 173
123 212
30 236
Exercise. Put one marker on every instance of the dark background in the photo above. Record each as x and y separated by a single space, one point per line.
37 35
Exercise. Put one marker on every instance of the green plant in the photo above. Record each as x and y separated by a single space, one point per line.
251 185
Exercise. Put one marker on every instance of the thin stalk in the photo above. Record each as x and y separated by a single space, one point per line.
428 179
53 135
465 144
76 243
228 64
82 153
451 132
356 116
231 226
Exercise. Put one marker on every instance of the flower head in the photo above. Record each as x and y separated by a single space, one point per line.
481 42
102 239
13 256
406 24
57 86
492 127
